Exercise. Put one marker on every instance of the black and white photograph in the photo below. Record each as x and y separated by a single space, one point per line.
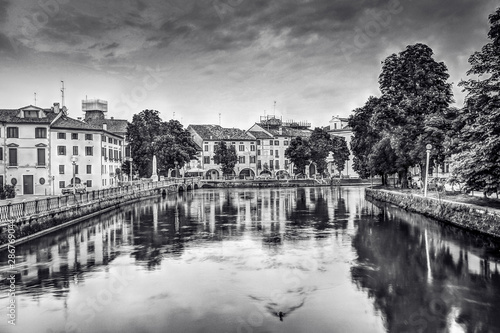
249 166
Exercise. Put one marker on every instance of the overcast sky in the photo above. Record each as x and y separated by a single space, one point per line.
199 58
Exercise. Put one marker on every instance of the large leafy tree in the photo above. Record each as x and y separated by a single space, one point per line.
320 144
226 157
414 93
478 160
148 135
299 153
340 152
364 138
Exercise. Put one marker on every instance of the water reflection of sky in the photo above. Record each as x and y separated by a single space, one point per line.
232 260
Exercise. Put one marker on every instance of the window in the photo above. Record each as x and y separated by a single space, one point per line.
206 160
115 141
74 136
127 151
258 142
271 142
40 132
61 136
1 155
110 153
120 142
61 150
241 148
76 169
110 140
89 151
241 159
41 156
285 143
89 169
252 159
272 152
286 164
12 132
89 183
103 138
61 184
277 164
116 154
259 164
276 143
89 137
258 152
103 152
252 148
75 150
12 156
206 147
30 114
276 153
120 155
271 164
61 169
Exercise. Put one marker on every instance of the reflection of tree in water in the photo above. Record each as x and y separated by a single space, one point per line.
392 267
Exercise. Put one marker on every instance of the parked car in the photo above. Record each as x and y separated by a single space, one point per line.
79 188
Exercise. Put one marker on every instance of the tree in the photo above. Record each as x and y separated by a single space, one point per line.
320 144
364 137
148 135
477 161
299 153
226 157
415 95
340 152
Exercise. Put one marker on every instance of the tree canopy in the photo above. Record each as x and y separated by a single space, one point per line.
148 135
226 157
394 129
477 161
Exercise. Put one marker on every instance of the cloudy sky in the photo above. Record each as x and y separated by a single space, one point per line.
196 59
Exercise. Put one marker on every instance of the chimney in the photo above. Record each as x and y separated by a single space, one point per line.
56 108
112 118
105 126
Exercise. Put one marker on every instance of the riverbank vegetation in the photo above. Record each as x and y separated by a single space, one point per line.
391 131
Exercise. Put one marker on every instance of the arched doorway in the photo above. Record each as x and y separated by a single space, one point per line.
312 169
212 174
247 174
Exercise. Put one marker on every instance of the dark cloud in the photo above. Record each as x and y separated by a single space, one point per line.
3 9
110 46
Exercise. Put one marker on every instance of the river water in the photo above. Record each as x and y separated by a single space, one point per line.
245 260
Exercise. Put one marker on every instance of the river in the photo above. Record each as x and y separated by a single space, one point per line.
256 260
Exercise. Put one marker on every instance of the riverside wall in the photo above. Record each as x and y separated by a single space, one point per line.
25 228
470 217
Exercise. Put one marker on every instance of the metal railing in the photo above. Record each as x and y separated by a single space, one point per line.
12 211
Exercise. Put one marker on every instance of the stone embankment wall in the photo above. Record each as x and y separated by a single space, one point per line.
35 225
470 217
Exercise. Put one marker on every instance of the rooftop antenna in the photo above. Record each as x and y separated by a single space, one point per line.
35 99
173 115
62 93
219 119
275 108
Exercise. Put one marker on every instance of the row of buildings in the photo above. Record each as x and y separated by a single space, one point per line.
261 148
43 149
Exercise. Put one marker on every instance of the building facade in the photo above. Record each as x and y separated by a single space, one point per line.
340 127
207 137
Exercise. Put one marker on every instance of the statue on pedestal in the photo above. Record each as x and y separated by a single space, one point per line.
154 176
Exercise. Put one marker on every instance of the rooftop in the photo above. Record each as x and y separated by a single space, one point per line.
216 132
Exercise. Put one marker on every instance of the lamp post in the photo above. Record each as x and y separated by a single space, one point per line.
428 148
73 161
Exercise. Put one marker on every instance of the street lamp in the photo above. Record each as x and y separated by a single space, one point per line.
73 161
428 148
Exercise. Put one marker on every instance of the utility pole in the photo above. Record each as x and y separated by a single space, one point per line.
35 99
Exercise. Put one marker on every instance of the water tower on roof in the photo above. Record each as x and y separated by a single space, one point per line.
94 108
